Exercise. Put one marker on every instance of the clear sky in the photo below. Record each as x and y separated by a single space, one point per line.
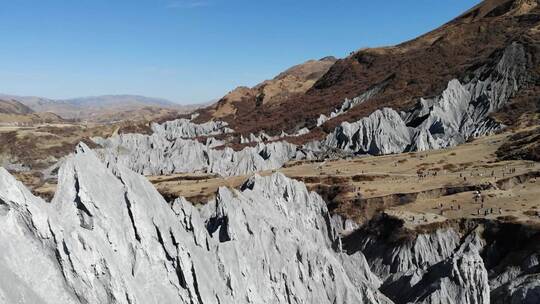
190 50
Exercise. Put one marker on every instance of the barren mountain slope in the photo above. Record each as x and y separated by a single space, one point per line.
13 107
270 93
13 112
418 68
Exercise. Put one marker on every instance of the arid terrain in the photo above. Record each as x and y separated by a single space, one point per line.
409 186
33 149
396 175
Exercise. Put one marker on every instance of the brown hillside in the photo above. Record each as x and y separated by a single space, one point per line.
270 93
13 107
417 68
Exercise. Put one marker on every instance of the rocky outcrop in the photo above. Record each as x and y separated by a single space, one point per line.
109 237
462 110
156 154
390 258
512 257
173 148
523 290
262 137
351 103
184 128
459 113
434 267
462 278
454 262
383 132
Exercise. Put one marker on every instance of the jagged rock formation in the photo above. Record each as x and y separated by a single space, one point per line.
351 103
262 137
473 262
461 277
184 128
156 154
524 289
435 267
383 132
459 113
513 259
109 237
172 149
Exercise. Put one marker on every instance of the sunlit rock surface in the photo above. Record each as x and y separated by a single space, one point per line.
460 112
382 132
184 128
155 154
351 103
109 237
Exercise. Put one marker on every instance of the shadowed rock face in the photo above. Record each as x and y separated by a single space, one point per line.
109 237
461 277
473 262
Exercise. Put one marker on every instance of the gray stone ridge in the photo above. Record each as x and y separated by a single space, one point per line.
459 113
155 155
109 237
185 128
351 103
451 265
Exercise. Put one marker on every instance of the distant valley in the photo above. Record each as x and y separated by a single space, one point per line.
104 109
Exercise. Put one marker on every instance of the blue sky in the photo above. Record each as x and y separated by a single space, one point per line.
190 50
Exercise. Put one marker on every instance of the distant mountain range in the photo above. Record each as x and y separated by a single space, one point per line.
14 107
14 112
103 108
